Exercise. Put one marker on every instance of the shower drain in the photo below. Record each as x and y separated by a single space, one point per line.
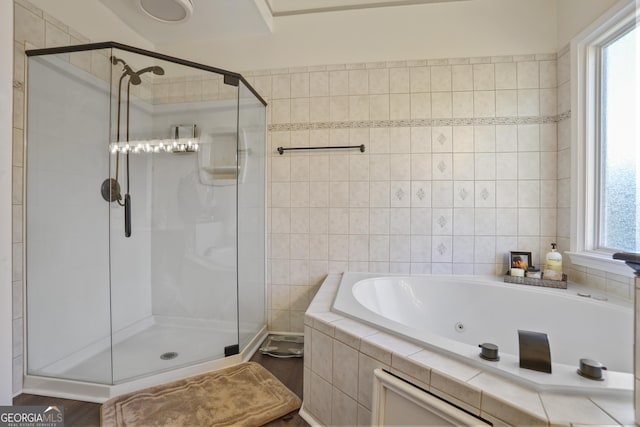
169 355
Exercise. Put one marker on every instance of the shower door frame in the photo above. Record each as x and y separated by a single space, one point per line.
149 53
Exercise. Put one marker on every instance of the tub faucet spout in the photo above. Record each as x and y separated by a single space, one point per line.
534 351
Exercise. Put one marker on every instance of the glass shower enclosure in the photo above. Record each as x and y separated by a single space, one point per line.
145 204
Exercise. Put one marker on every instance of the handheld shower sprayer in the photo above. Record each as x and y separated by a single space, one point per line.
110 187
155 69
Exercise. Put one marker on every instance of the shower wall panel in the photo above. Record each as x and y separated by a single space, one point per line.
131 257
193 237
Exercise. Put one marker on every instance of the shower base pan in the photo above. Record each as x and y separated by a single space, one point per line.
141 360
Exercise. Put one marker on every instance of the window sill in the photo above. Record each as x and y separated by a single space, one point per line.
600 261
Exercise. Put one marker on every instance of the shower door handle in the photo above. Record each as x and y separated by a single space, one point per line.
127 215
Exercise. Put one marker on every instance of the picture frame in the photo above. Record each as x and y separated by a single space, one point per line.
519 259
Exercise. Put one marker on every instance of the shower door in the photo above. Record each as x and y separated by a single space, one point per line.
174 298
251 210
67 258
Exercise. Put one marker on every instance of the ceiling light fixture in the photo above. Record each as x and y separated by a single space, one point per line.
167 10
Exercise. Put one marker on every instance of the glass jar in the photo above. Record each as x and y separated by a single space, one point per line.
533 273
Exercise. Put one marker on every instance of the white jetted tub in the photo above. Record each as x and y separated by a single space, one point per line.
454 314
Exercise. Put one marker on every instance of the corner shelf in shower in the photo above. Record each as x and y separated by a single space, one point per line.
221 172
221 156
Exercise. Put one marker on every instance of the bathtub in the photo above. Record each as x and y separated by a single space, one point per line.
454 314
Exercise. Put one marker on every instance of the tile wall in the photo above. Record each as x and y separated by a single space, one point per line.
460 168
172 90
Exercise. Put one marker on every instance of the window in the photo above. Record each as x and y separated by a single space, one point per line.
619 207
605 147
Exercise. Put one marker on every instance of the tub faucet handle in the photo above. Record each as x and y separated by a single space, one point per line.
534 351
489 351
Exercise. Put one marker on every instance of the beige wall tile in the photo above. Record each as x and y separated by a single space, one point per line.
28 26
400 106
573 409
344 410
462 78
19 62
55 36
484 77
379 81
366 366
18 108
300 85
441 78
506 76
420 79
320 401
528 75
399 80
345 369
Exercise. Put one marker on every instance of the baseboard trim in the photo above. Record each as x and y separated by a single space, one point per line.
310 419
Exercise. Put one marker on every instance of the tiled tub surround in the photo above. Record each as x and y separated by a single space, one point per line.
341 354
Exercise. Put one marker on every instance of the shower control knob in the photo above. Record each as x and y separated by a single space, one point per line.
489 351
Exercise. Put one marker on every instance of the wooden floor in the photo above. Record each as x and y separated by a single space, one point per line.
78 413
290 373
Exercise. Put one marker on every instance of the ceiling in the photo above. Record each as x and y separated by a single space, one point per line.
297 7
212 19
225 19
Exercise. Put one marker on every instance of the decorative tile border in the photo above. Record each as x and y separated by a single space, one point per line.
420 123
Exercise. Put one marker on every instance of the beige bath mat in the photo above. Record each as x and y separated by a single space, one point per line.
242 395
